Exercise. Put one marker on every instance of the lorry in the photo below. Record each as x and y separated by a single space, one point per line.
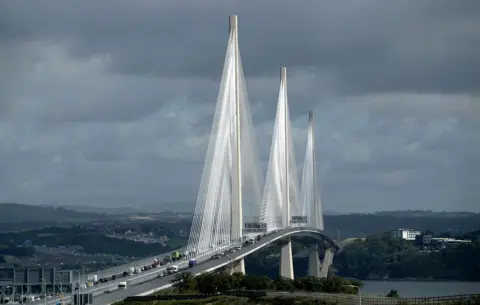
175 255
93 278
138 270
192 263
131 271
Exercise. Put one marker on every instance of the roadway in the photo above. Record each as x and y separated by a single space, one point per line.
148 281
208 265
116 270
102 287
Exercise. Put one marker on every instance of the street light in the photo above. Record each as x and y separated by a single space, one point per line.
359 292
44 284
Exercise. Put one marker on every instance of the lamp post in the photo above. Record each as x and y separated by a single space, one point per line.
44 284
359 292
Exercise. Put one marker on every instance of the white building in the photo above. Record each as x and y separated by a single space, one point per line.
407 234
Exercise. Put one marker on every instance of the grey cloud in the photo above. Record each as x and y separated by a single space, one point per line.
110 103
367 47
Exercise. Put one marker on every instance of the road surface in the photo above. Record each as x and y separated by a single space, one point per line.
208 265
148 281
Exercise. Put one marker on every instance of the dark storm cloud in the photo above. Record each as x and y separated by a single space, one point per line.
111 102
367 46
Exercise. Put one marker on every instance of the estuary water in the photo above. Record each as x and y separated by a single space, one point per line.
420 288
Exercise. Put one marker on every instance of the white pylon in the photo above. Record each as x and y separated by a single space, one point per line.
309 195
280 196
231 166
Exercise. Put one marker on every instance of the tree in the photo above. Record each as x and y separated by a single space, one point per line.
283 284
237 280
184 282
223 282
206 283
393 294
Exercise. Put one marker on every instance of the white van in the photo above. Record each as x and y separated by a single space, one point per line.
122 285
172 269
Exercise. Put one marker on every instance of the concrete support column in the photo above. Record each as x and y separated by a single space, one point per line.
327 261
286 260
238 267
313 262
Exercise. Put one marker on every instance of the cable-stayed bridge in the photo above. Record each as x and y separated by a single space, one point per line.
235 208
230 206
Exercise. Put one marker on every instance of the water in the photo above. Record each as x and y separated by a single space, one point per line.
419 288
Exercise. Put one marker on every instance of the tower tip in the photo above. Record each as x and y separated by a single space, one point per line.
283 73
233 22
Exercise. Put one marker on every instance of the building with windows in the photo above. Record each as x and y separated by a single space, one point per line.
407 234
442 243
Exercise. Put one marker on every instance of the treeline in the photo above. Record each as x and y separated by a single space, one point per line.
210 284
381 256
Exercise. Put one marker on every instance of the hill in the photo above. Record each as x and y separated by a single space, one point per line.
14 213
425 213
102 210
361 225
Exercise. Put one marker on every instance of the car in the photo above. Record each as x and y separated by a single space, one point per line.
216 256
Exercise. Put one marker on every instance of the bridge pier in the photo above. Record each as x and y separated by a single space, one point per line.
286 260
238 267
313 262
327 261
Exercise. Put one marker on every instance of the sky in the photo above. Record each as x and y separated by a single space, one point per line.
110 103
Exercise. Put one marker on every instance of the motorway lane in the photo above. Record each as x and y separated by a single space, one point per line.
116 296
207 266
202 266
119 295
122 268
100 288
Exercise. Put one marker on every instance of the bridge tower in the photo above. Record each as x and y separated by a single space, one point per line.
309 194
312 204
280 196
236 215
230 188
286 259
